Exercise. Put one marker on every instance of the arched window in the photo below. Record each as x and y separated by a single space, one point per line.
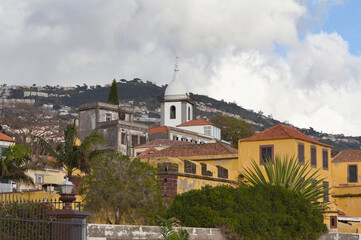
172 112
189 113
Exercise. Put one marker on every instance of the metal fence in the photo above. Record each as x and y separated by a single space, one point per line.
38 220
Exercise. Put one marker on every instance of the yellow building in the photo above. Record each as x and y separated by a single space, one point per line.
346 181
186 167
283 141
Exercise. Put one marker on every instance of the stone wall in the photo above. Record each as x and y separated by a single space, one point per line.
134 232
129 232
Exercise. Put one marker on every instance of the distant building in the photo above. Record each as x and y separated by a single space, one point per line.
177 117
115 124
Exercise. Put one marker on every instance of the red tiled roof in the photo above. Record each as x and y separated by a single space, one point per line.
194 150
163 142
281 131
4 137
348 156
196 122
146 152
158 129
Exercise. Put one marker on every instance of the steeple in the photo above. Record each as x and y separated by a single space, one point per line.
176 89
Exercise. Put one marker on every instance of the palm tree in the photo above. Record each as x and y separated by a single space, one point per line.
15 162
287 172
70 155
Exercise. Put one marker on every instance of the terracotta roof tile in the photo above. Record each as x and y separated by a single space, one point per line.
163 142
6 138
146 152
281 131
196 122
158 129
348 156
194 150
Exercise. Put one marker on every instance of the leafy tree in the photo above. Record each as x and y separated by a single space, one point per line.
232 129
69 155
113 94
250 212
15 162
119 188
288 173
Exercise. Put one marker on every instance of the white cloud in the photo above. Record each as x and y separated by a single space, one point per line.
317 84
227 50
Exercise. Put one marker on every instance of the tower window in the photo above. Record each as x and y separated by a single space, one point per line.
172 112
189 113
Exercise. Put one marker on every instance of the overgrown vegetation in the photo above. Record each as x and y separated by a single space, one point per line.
250 212
232 129
119 188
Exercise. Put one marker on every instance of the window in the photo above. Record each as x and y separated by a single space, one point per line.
325 194
39 178
352 173
189 167
206 172
325 159
124 138
108 117
134 140
265 153
222 172
142 139
189 113
301 153
172 112
333 221
207 130
313 156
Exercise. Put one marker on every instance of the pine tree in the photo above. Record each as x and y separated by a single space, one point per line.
113 94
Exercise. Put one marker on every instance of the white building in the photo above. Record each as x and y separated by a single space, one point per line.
177 117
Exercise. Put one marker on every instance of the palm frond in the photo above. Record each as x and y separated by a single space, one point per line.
287 172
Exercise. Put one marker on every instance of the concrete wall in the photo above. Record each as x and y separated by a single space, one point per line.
340 236
129 232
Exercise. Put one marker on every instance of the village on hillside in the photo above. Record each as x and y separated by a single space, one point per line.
187 152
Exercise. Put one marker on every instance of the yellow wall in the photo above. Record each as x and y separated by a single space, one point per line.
348 199
340 173
283 147
228 161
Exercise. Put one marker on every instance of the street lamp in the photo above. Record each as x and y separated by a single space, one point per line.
66 196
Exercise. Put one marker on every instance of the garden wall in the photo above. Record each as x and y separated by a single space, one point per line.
134 232
130 232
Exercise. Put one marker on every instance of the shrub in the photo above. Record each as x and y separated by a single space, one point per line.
259 212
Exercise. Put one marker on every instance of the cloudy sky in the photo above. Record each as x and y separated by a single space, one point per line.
298 60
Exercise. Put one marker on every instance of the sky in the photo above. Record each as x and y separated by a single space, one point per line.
297 60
